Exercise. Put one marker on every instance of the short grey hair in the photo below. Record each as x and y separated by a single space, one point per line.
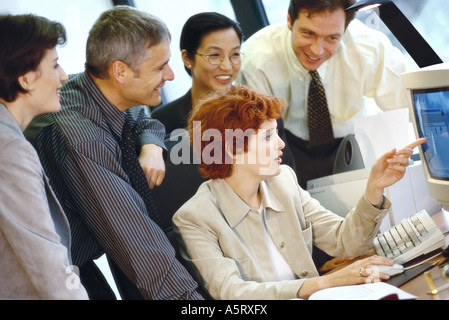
122 33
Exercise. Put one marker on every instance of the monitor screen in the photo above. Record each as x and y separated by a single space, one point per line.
431 108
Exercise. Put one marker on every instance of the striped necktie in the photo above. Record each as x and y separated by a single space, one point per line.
132 166
320 126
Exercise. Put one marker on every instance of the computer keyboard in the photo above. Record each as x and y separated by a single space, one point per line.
412 237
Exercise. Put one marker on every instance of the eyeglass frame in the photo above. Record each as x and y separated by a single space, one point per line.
222 57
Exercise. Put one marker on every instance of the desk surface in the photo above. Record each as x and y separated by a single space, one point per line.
418 286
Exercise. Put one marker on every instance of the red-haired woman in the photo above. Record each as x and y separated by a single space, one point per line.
249 230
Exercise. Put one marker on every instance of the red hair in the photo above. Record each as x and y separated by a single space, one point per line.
240 109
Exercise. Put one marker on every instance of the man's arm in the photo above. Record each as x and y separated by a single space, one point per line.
117 218
151 135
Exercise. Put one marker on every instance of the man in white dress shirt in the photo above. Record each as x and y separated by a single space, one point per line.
358 66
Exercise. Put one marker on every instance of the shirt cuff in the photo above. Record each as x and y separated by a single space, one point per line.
371 212
146 138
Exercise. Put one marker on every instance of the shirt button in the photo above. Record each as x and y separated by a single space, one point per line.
305 273
282 244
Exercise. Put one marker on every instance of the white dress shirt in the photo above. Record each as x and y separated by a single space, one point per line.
361 79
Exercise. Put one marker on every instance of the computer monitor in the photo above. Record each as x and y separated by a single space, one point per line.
428 98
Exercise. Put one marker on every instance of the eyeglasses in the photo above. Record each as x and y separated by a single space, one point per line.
217 59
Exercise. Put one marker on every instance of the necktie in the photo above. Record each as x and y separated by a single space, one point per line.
135 172
320 126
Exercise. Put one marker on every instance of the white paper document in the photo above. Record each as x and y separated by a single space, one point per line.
368 291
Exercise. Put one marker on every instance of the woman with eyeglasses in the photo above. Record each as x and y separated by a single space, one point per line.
210 47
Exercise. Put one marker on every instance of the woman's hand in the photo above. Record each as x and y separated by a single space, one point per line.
358 272
389 169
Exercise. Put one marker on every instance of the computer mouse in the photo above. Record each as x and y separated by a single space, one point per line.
390 270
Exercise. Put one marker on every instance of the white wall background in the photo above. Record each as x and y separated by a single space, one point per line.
74 16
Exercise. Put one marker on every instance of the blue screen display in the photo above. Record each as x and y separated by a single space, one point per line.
431 108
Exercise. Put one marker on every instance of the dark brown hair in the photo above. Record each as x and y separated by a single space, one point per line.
24 40
314 6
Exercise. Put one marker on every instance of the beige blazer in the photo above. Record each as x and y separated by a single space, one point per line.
223 238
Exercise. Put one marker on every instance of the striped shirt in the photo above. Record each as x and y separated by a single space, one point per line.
79 150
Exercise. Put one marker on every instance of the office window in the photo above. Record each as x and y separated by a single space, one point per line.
431 19
276 10
175 20
77 16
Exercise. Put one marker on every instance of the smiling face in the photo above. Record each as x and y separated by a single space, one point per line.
316 37
143 85
207 77
45 84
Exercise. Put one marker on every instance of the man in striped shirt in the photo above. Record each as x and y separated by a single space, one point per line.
126 66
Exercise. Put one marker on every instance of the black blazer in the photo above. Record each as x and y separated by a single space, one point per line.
174 115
